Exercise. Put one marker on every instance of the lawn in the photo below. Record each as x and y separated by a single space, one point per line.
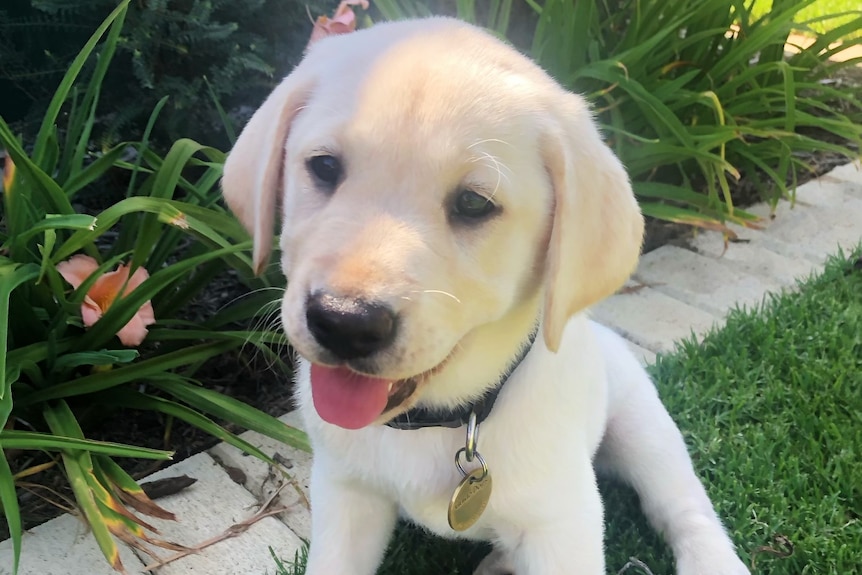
771 407
818 9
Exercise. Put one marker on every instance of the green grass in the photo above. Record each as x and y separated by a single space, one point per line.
771 407
819 9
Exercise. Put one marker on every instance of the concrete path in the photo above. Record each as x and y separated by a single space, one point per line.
676 291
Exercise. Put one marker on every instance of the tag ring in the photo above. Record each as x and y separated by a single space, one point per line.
472 438
481 461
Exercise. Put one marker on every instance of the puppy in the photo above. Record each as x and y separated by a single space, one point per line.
448 213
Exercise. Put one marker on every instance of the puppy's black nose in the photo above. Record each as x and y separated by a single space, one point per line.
350 328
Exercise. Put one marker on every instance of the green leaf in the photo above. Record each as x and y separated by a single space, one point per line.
138 371
79 468
12 275
60 222
11 510
93 491
33 440
81 178
225 119
263 303
235 411
41 190
37 352
682 216
202 221
50 118
103 357
137 400
164 185
83 118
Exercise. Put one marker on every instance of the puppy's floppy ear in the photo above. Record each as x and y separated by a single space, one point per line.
253 171
597 227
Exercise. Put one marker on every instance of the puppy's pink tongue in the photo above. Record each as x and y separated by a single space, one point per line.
345 398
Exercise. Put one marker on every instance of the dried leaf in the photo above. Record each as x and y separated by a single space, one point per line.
167 486
782 547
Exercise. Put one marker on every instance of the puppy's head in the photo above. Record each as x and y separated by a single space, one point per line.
438 193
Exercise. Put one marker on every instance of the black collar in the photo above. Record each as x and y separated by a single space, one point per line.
421 417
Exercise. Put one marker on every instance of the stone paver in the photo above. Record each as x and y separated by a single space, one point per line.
851 172
814 231
826 215
750 257
829 191
63 546
209 507
262 480
706 283
649 318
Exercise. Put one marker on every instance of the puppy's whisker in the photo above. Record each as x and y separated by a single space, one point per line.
495 164
274 264
435 291
487 140
498 166
253 292
267 321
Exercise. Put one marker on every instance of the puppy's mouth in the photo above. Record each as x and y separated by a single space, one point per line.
352 400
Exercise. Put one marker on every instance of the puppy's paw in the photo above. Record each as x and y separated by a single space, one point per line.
495 563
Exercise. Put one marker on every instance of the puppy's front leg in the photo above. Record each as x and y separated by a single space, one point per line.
644 447
350 525
558 533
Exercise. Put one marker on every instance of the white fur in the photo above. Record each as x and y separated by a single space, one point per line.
415 111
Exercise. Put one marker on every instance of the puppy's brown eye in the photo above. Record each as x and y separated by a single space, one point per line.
327 169
471 205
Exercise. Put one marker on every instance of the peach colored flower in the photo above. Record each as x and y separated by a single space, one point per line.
343 22
104 291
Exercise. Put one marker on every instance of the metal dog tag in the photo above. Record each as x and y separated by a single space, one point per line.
470 497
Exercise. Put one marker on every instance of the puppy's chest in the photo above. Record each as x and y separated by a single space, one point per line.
420 474
429 506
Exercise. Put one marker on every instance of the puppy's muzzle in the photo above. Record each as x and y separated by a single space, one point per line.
349 328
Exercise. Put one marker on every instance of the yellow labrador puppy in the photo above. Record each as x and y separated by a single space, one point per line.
448 212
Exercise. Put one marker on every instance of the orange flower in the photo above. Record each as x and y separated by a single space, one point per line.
343 22
104 291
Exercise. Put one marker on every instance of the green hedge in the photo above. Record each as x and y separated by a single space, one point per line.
195 51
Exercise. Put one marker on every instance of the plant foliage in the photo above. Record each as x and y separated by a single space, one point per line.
52 370
188 50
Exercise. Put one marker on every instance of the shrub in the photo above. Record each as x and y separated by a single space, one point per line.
188 50
58 358
691 93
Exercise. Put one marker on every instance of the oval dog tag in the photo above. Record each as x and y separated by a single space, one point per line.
469 499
